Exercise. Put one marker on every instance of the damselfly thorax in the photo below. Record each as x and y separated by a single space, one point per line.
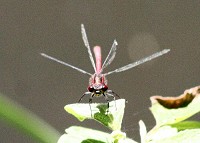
97 82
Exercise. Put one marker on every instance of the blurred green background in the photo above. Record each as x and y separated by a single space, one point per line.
141 28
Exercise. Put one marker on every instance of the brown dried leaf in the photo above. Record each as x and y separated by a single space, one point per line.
177 102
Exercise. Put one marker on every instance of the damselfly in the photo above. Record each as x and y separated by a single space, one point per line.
97 82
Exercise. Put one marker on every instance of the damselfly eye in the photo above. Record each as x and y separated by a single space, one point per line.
105 88
90 88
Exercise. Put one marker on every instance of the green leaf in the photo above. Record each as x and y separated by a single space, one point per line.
77 134
27 122
170 113
176 132
186 125
166 116
110 117
143 131
186 136
160 133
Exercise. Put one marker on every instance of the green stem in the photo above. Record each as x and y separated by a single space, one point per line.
27 122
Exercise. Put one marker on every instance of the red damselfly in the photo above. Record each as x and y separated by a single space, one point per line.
97 82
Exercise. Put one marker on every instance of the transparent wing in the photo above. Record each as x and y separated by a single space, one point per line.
111 55
85 40
134 64
66 64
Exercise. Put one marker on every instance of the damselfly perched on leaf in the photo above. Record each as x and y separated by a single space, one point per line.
97 82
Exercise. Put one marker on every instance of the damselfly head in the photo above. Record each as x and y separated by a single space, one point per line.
98 89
